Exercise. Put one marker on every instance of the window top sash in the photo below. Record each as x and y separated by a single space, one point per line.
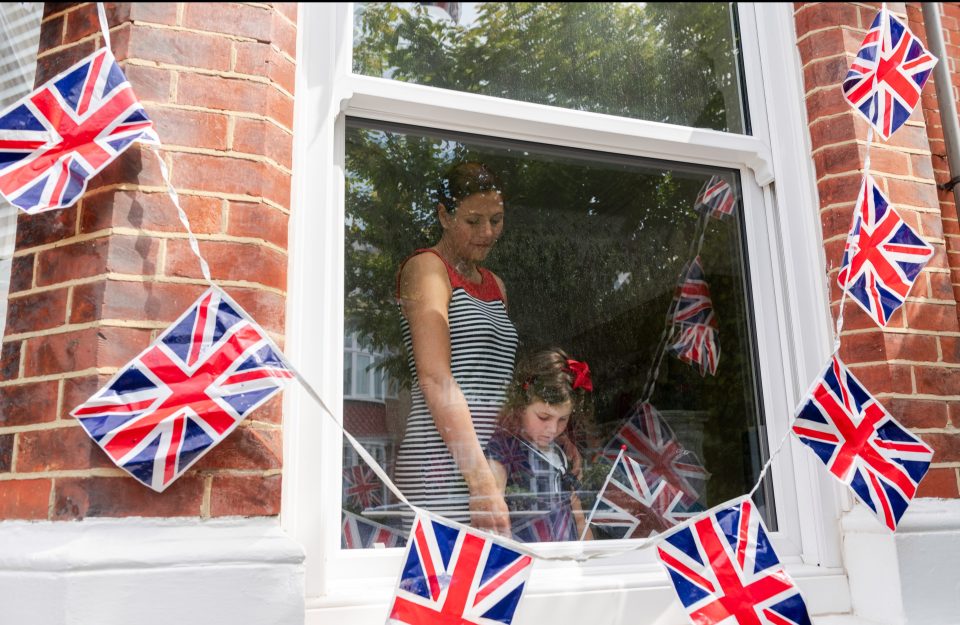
418 105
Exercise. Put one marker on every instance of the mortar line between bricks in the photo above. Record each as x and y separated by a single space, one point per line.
236 197
216 238
904 362
229 114
205 499
76 238
892 395
945 465
818 59
855 29
926 181
203 71
120 277
203 109
187 29
245 156
882 148
59 13
38 475
51 377
894 330
41 427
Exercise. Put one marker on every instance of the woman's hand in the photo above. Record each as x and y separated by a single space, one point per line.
488 510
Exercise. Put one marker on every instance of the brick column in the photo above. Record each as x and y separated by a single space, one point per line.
94 284
914 366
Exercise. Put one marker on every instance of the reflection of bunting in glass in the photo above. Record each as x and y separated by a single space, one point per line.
716 198
861 444
724 570
695 322
63 133
361 487
885 80
554 525
631 506
654 446
883 255
186 392
360 533
455 575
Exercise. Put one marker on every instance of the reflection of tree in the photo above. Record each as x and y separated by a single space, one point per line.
669 62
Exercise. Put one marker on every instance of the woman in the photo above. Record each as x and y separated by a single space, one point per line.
461 347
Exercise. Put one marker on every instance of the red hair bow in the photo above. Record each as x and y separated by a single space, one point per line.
581 374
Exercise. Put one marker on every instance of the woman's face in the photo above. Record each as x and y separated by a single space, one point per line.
541 422
475 226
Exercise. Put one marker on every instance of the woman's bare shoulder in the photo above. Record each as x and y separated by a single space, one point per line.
423 271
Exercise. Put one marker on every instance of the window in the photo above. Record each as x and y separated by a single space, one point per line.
20 26
760 278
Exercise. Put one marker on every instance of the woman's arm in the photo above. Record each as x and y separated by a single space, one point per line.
425 295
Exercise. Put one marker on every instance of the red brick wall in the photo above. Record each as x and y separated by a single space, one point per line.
93 285
914 366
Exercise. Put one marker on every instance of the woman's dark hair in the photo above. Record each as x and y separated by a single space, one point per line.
545 376
463 180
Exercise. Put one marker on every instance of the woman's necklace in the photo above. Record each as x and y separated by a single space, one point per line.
462 267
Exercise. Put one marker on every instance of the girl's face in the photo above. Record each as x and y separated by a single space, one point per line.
541 422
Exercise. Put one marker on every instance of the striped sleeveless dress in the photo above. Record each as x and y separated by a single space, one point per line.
483 344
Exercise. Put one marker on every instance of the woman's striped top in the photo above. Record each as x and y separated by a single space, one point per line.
483 344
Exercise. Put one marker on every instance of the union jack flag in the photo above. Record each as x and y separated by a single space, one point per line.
554 525
885 80
716 197
360 533
186 392
697 345
631 506
861 444
883 256
696 322
454 575
723 567
361 487
59 136
654 446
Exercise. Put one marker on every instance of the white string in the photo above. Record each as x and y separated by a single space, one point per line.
104 29
596 501
194 245
851 244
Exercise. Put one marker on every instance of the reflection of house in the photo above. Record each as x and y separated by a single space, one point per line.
370 404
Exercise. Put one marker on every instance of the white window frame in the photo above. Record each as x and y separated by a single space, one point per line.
786 269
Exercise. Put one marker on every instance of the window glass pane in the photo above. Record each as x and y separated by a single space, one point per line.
363 375
668 62
347 373
592 250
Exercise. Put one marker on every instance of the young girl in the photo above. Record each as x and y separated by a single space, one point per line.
532 453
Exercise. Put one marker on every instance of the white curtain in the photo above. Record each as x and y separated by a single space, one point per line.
19 40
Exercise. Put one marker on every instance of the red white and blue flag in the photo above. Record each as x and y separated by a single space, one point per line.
653 445
59 136
361 487
452 574
861 444
695 322
186 392
725 570
697 345
716 198
360 533
885 80
883 255
632 506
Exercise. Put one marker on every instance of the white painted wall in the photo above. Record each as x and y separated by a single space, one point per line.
150 572
911 577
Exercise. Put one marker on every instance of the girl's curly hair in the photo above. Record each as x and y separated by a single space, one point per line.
545 376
